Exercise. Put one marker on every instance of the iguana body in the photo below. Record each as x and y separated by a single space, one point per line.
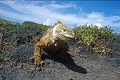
54 42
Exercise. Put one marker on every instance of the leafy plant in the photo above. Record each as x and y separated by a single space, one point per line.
92 35
7 23
101 47
44 28
41 27
11 26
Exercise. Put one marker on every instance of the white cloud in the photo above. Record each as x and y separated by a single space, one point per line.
56 6
48 14
98 25
47 22
95 15
18 16
42 12
53 1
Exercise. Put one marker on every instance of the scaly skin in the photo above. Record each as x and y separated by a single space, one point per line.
54 42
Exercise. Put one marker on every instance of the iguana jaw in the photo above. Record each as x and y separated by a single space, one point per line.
68 36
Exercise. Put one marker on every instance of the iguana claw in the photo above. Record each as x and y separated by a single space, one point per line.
37 60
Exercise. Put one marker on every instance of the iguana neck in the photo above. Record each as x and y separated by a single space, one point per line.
51 35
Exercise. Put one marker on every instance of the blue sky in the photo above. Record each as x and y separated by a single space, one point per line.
71 13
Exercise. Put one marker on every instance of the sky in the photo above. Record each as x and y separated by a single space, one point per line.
69 12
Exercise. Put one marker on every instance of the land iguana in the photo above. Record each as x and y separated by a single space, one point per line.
54 42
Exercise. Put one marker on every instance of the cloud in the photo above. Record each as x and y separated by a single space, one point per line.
49 13
99 25
56 6
95 15
18 16
47 22
42 12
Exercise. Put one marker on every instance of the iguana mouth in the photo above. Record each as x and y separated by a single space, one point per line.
68 36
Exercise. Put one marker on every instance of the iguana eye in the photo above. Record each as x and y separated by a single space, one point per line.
64 30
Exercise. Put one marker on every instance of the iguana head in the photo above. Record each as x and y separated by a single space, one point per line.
61 31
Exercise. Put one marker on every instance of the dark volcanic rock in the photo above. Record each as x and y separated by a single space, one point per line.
21 54
82 66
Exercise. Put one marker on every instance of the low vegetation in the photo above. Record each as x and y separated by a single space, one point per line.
41 27
14 34
95 37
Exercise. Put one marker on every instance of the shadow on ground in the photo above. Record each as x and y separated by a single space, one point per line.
69 63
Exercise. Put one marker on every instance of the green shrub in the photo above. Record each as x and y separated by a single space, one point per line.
41 27
6 23
44 28
91 35
11 26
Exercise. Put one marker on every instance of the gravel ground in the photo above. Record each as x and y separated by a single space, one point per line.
82 66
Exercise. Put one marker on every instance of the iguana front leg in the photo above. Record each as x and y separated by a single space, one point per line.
37 53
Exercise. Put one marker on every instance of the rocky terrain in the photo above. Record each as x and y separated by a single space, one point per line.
83 65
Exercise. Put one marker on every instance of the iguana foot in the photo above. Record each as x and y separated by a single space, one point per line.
37 60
